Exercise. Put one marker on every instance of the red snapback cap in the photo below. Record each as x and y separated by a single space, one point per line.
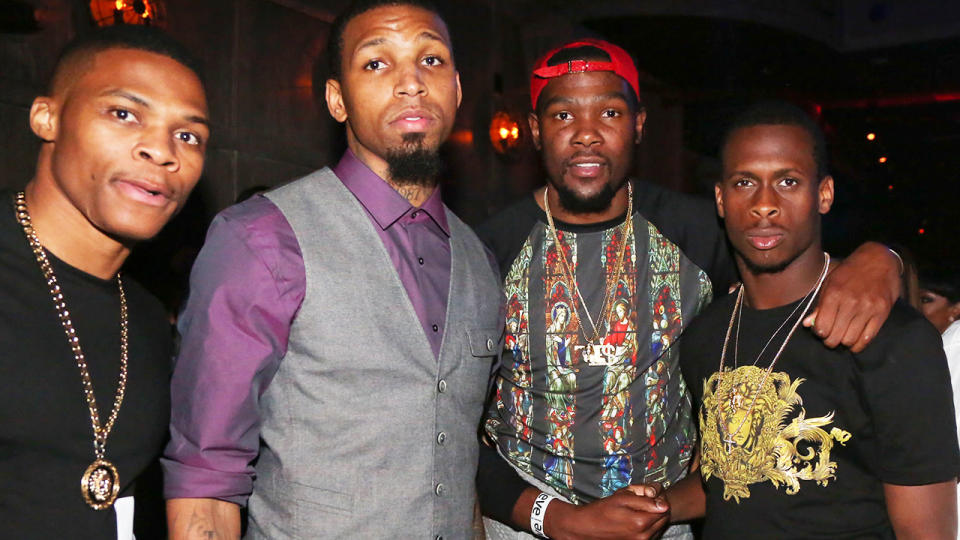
620 63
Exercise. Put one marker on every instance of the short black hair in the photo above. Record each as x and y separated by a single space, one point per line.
355 9
586 52
782 113
943 280
144 38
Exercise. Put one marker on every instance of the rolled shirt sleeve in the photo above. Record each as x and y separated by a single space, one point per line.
245 289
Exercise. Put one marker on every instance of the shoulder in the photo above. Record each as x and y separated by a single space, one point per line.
906 336
905 322
505 232
692 224
258 226
712 319
248 238
514 220
671 210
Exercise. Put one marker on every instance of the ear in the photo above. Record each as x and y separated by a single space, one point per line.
44 119
335 101
825 194
718 196
534 122
459 90
641 119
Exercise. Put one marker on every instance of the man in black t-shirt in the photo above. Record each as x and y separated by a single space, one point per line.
799 440
124 131
588 402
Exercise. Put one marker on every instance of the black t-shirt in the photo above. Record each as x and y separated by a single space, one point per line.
827 429
46 440
585 427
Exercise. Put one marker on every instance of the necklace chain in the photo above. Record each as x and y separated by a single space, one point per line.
100 432
735 316
571 277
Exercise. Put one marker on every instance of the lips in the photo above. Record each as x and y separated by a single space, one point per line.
415 120
150 192
586 166
765 239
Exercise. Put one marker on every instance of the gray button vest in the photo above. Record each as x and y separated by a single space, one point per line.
365 433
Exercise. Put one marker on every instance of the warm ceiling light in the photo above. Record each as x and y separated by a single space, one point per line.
504 132
114 12
871 136
883 159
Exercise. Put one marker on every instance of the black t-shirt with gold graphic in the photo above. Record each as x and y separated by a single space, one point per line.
808 455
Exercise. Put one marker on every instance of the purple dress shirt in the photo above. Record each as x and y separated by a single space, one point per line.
245 290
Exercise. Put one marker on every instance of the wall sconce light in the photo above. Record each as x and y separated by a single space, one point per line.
115 12
504 132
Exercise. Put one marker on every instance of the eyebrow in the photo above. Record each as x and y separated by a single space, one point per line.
776 173
144 103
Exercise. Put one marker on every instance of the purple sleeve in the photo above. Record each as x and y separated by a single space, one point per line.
245 289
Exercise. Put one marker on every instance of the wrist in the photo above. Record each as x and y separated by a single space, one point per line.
556 522
900 264
538 512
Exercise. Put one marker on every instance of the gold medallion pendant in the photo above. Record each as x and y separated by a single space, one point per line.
100 484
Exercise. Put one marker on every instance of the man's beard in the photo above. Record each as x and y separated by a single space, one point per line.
412 164
576 204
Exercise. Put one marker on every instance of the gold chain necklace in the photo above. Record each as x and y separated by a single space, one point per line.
595 353
100 482
729 438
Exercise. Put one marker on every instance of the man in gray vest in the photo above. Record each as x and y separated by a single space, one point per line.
328 418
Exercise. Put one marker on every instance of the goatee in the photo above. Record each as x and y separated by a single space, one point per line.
412 164
576 204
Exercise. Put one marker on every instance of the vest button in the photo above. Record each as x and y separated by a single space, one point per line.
435 328
440 489
442 386
490 344
441 438
420 260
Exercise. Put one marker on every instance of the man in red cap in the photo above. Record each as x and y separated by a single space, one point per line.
590 417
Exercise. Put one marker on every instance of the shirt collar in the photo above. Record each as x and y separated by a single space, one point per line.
381 201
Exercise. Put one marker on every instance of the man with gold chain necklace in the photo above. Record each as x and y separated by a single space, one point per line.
574 435
87 351
799 440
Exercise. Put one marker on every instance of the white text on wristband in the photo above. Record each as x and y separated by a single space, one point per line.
537 512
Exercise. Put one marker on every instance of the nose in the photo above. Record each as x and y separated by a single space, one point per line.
766 203
410 83
586 133
157 146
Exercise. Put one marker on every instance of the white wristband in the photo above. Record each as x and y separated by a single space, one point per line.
538 511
